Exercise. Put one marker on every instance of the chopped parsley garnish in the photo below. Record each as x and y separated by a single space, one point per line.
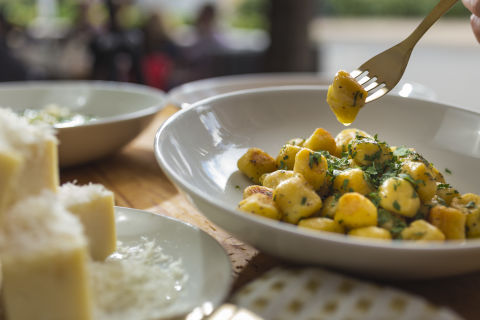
304 200
373 157
383 217
314 159
396 205
391 222
345 184
471 205
441 201
356 95
375 198
409 178
402 152
443 186
448 171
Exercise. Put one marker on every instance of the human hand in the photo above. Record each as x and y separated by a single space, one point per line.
474 7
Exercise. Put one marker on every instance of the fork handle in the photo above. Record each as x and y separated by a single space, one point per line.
438 11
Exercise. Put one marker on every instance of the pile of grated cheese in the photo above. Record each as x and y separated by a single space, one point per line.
138 281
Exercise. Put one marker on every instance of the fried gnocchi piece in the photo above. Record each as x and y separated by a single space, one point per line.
354 210
421 230
296 199
344 137
286 156
250 190
255 162
262 205
450 221
322 224
365 151
371 232
273 179
313 166
422 177
351 180
345 96
398 195
469 204
446 192
320 140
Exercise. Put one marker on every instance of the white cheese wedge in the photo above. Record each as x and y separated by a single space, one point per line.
28 158
44 262
94 205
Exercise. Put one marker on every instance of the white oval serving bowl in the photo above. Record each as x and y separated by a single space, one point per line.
198 149
191 92
121 112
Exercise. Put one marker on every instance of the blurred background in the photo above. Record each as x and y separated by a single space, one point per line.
165 43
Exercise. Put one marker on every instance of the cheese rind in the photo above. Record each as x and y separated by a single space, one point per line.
94 206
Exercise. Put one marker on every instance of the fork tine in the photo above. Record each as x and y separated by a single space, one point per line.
368 85
377 94
364 80
371 86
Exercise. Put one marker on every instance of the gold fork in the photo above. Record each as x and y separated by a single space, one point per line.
381 73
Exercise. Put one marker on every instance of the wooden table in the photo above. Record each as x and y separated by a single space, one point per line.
138 182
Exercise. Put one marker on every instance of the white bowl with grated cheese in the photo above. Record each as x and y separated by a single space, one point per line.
163 268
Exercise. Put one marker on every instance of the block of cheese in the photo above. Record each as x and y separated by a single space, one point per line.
94 205
10 163
44 262
32 150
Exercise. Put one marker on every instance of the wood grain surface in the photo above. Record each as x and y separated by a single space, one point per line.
137 181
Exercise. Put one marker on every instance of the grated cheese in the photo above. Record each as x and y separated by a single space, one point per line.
138 281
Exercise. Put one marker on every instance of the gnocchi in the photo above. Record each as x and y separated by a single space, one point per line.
357 185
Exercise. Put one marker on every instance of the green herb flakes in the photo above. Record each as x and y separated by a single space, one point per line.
396 205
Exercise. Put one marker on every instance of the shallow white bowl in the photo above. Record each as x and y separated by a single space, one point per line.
198 149
121 110
191 92
205 262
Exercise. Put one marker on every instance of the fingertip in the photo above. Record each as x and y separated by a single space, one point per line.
473 6
475 23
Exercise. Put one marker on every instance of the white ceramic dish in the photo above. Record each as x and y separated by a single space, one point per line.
191 92
121 111
198 149
205 262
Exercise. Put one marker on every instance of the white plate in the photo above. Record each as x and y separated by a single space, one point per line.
204 260
198 149
191 92
122 111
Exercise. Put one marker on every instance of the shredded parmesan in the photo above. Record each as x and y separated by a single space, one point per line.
137 282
